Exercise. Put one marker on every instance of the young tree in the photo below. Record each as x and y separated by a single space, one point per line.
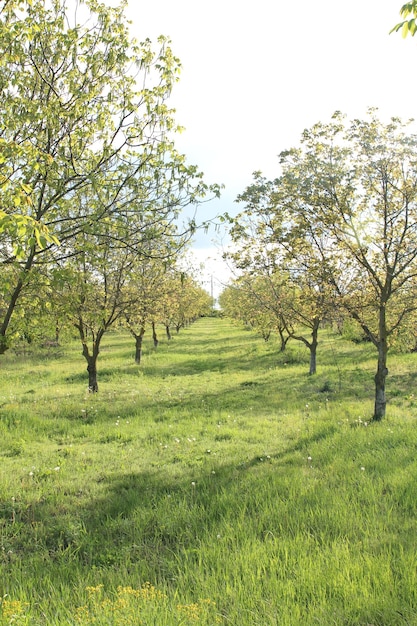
285 255
259 302
357 182
147 287
90 290
138 231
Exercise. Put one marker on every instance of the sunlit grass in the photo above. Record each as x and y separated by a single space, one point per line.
217 474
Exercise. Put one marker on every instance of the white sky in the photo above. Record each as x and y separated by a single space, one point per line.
256 74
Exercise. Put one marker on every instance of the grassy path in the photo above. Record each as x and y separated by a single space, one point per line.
217 483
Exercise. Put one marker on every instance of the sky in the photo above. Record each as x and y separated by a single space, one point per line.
256 74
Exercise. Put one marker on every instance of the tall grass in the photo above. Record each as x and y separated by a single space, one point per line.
215 483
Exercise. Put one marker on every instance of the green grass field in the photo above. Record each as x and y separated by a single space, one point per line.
217 483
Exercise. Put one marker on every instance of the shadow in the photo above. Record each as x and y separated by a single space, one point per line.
161 524
166 521
129 523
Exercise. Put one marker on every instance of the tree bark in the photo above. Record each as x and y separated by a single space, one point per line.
7 317
154 336
283 340
168 332
92 374
311 345
91 358
380 378
313 353
382 370
138 345
13 301
380 398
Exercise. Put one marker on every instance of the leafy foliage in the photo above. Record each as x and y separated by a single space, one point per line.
88 145
341 223
407 26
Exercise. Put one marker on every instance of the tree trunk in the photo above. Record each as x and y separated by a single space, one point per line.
382 370
138 349
13 301
92 374
380 378
4 344
168 332
313 358
283 340
138 345
91 358
313 346
154 336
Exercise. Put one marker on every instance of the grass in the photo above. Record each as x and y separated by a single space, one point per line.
217 483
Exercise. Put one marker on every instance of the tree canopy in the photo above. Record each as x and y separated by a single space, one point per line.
341 223
88 156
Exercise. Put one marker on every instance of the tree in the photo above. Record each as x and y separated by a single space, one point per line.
90 291
183 301
357 182
147 287
284 257
83 106
138 231
191 301
259 302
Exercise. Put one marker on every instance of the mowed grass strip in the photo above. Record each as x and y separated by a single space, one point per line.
215 483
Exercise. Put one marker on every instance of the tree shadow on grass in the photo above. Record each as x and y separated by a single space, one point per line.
236 391
138 494
147 517
156 524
